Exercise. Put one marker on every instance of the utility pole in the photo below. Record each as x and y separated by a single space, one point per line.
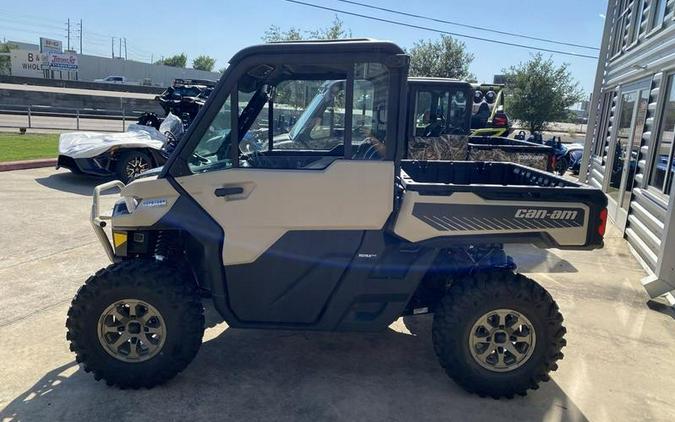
125 48
68 32
80 34
112 46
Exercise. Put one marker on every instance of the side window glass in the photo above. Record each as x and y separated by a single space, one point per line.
317 110
422 112
458 112
308 115
369 111
441 124
441 112
213 150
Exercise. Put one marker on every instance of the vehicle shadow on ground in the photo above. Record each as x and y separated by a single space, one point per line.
78 184
283 375
531 259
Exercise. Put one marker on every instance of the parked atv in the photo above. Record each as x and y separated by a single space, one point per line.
184 98
560 160
489 117
334 231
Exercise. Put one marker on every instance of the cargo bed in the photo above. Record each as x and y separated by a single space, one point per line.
496 202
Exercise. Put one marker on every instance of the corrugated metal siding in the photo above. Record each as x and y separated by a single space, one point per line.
645 225
670 6
608 133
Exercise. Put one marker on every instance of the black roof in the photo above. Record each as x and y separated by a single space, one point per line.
354 45
436 81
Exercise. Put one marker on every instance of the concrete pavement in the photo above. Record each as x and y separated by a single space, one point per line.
618 361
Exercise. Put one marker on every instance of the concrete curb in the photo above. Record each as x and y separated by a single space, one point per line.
28 164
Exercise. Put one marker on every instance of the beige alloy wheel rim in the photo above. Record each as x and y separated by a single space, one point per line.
502 340
131 330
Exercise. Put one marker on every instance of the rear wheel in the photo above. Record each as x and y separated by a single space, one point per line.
561 166
498 334
136 323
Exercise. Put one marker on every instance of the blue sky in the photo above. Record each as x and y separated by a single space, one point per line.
220 28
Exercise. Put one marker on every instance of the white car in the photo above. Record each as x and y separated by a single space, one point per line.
113 80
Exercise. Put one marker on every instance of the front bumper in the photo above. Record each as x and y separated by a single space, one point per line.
99 221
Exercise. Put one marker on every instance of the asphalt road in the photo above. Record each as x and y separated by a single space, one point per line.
77 91
62 124
618 362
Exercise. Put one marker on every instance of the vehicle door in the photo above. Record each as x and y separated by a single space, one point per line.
295 162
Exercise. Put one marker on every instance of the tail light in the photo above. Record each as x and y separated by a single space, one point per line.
603 222
500 120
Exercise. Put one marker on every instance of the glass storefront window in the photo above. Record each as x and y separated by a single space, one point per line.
662 165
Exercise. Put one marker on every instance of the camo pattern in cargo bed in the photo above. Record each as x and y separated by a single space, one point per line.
458 148
444 147
530 159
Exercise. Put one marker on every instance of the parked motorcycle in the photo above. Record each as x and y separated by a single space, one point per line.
560 160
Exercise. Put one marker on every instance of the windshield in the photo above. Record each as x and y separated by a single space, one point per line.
315 107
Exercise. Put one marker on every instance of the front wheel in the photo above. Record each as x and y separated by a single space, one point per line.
498 334
136 323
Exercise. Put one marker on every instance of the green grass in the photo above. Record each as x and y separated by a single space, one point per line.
15 147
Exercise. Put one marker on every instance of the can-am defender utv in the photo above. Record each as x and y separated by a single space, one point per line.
333 232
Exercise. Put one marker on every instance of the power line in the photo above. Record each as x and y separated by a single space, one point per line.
41 25
511 34
39 21
455 34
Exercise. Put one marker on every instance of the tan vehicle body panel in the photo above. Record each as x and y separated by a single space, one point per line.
147 191
347 195
414 229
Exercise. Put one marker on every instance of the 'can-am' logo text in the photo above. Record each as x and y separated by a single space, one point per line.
553 215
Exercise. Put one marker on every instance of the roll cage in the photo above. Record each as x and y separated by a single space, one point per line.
254 67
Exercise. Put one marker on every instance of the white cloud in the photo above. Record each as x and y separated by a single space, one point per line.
602 16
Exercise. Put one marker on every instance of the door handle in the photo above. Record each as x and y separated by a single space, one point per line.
234 190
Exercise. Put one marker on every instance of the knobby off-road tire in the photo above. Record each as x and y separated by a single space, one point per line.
159 293
457 327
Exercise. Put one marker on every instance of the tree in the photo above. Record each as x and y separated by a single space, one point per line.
442 58
4 60
336 30
179 60
204 63
274 33
297 93
539 92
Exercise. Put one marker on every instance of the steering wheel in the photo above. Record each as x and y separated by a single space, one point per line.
301 140
363 150
258 160
434 129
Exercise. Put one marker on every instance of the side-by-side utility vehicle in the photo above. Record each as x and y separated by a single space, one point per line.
327 228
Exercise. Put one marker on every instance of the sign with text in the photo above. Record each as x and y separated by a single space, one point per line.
62 61
27 63
48 46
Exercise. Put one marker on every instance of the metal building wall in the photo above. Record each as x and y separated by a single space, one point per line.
650 229
94 67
